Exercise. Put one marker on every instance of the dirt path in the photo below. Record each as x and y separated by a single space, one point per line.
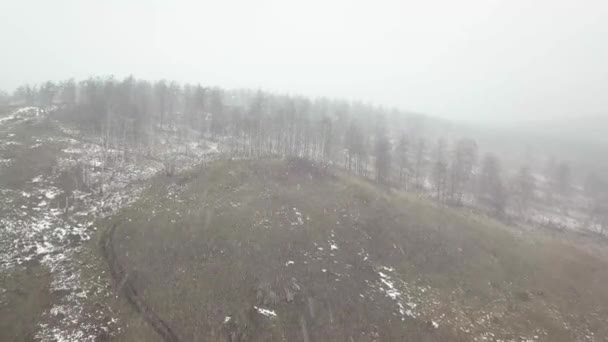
121 278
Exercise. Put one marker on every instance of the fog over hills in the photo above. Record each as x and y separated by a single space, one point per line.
282 170
487 61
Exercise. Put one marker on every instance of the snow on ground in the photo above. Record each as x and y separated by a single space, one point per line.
41 223
333 245
266 312
291 217
398 291
22 113
298 218
417 300
576 218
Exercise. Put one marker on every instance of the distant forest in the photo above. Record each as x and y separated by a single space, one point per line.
388 146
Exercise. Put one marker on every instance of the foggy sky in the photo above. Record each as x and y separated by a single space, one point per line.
474 60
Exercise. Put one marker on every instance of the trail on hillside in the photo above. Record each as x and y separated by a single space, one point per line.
121 279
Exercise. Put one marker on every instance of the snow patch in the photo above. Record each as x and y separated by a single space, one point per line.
266 312
299 221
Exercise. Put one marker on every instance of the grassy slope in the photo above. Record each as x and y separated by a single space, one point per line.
217 242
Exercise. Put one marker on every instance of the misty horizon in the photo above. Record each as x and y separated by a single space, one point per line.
475 61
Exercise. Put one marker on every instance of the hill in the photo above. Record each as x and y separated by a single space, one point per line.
286 250
114 226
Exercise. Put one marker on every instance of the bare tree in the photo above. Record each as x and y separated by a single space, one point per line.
46 94
402 158
524 186
216 108
68 92
491 189
382 154
420 162
24 95
327 140
596 190
464 158
161 94
440 171
355 147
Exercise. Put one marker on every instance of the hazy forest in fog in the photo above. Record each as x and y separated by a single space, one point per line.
393 147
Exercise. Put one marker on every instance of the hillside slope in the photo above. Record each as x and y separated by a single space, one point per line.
275 250
56 181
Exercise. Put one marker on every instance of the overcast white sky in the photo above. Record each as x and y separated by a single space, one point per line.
467 59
